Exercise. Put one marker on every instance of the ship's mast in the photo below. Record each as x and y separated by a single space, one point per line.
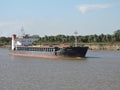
75 38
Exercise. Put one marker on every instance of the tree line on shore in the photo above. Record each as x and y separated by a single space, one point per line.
61 39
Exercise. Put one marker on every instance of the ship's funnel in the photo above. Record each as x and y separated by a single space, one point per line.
13 36
13 41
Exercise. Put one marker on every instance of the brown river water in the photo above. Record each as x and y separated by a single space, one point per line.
99 71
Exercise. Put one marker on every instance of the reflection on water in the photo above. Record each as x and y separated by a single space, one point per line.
99 71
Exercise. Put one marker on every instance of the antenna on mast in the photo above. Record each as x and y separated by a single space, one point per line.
75 38
22 31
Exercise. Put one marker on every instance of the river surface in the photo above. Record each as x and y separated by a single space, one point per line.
99 71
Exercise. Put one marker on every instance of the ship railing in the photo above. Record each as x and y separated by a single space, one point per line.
36 49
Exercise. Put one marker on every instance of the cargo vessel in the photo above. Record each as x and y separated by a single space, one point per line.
22 46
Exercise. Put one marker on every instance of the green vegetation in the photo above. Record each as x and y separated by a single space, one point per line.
88 39
5 41
65 39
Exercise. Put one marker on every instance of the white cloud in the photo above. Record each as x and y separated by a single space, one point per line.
84 8
4 24
7 24
9 27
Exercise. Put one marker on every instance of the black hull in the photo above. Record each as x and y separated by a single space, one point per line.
73 51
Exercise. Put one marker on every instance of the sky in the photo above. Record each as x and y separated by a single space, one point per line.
53 17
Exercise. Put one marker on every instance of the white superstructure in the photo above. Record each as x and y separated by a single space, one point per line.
22 41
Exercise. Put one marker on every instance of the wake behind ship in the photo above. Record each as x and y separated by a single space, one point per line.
22 46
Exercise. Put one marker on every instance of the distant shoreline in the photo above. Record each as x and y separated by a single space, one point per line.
103 46
91 46
5 46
